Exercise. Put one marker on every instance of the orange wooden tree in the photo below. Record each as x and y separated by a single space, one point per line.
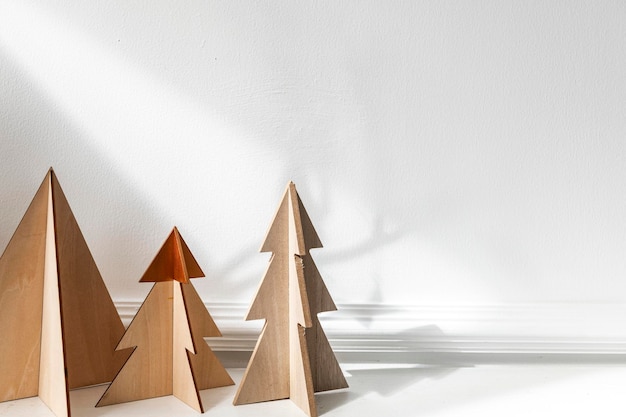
292 358
58 324
171 356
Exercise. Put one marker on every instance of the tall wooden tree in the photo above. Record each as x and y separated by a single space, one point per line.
170 354
58 324
292 358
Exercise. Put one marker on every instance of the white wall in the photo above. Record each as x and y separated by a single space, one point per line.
449 153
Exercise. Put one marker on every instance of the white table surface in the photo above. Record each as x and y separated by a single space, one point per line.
561 388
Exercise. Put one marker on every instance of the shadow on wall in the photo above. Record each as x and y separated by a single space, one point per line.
421 143
292 129
317 134
294 125
33 137
402 184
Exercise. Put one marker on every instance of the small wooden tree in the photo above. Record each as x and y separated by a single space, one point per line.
58 324
171 355
292 358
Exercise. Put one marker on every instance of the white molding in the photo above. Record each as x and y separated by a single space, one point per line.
497 329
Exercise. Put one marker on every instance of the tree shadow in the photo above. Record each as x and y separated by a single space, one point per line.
385 382
387 373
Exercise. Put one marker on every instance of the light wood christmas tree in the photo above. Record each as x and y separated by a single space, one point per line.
58 324
171 356
292 358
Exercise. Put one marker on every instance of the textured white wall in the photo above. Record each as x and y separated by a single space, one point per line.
448 152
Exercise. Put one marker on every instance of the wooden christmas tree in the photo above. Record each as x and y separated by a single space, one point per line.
58 324
292 358
171 355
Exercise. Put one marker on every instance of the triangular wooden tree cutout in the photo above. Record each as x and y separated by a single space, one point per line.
58 323
170 355
292 358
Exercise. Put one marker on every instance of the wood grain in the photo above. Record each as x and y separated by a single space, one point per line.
207 369
171 356
292 357
148 371
21 301
325 371
58 319
91 325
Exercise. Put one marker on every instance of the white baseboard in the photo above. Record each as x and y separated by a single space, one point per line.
387 329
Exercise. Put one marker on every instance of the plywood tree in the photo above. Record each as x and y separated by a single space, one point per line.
292 358
171 355
58 324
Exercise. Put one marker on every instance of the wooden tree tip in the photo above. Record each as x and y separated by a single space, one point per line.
291 209
174 261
